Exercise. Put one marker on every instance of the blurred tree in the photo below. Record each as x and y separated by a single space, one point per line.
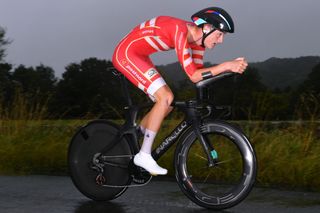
312 83
248 88
35 80
6 83
307 97
88 87
3 43
241 92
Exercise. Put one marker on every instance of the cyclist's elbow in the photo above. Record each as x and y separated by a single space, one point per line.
195 78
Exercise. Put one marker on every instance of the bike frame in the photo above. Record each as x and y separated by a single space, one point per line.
193 119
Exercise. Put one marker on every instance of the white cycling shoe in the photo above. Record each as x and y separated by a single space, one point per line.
146 161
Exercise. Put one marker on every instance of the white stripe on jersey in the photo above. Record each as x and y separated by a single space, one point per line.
186 51
142 25
198 61
163 45
153 22
152 44
187 62
198 52
140 86
175 35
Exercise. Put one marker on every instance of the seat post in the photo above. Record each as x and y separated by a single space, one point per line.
124 85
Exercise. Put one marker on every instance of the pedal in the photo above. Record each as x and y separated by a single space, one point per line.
138 174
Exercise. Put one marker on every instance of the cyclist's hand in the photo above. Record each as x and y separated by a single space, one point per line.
238 65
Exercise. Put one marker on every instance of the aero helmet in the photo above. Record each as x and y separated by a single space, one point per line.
215 16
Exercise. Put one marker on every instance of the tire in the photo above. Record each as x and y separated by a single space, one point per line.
88 141
228 182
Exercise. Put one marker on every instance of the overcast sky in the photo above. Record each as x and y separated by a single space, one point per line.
59 32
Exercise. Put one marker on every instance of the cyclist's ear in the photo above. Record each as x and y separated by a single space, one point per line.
206 28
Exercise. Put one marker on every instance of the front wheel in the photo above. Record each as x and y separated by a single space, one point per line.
229 180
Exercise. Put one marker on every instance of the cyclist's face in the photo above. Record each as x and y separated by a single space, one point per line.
214 38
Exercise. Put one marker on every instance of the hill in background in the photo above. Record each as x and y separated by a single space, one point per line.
274 72
284 72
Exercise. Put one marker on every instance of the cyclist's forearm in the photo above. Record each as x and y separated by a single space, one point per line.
215 70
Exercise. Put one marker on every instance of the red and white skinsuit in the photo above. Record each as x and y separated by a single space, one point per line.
131 56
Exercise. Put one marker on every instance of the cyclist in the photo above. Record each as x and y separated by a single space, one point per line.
189 39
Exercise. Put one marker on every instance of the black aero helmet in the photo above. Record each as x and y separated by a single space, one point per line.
215 16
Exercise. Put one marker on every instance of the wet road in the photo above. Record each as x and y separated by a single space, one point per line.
32 194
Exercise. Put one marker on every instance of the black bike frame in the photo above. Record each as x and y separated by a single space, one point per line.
170 140
193 119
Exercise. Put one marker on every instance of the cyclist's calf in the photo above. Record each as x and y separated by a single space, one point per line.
159 111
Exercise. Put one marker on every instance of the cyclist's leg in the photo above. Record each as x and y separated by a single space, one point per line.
160 110
163 97
145 119
142 73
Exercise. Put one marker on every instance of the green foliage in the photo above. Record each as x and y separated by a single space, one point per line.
245 93
3 43
312 85
33 147
288 157
35 80
35 85
88 87
6 82
29 144
309 107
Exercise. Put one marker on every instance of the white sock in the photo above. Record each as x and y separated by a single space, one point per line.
142 129
148 141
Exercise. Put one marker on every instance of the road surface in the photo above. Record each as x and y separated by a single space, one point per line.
50 194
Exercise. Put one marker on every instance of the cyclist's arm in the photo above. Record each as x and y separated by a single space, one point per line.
238 66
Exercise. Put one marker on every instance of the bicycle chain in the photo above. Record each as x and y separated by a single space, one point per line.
100 178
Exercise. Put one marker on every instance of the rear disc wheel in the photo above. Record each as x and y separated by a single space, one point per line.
84 161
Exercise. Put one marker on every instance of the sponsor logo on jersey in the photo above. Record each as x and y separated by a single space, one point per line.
147 31
136 74
151 73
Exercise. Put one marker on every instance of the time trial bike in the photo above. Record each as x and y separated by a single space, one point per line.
215 164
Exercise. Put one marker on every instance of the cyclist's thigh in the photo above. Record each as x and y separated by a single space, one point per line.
138 69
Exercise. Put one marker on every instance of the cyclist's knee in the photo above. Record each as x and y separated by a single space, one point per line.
164 96
165 100
169 99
